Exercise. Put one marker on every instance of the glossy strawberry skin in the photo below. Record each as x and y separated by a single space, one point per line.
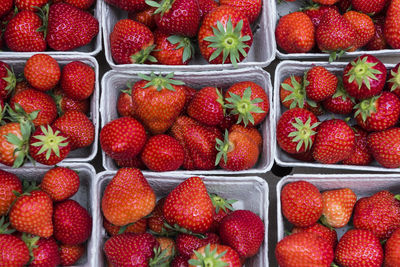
186 244
250 8
29 4
378 42
78 80
368 7
384 147
138 227
5 7
392 258
392 27
229 256
124 104
46 253
361 155
321 83
81 4
145 17
64 103
316 13
129 5
14 251
70 254
60 183
206 6
363 25
9 182
167 53
135 162
340 102
42 72
206 107
320 230
338 206
8 153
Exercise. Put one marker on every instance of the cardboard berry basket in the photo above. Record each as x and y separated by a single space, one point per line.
284 70
113 82
285 8
261 54
84 196
162 184
83 154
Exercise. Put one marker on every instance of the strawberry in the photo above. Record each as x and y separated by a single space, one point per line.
135 162
14 143
45 252
378 112
162 153
7 80
304 249
295 33
81 4
320 83
138 227
207 106
301 203
219 255
167 244
60 183
5 7
32 213
129 5
340 102
158 101
189 206
70 254
320 230
364 77
248 102
131 42
78 80
124 104
359 248
296 130
344 5
225 36
326 2
24 33
145 17
206 6
361 155
77 127
393 82
8 183
335 141
368 7
181 17
186 244
48 145
252 132
30 5
14 251
363 25
70 27
338 206
378 42
392 27
316 12
157 221
42 72
179 261
250 8
392 258
64 103
21 86
384 146
379 214
172 49
123 138
127 198
305 156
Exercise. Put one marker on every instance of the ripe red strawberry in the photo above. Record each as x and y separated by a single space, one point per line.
126 131
81 4
70 27
138 227
124 104
250 8
301 203
129 5
225 36
60 183
14 143
7 80
72 222
393 82
207 106
127 198
252 132
338 207
378 42
172 49
363 25
392 27
135 162
320 230
162 153
368 7
378 113
220 255
189 206
186 244
30 4
206 6
248 102
156 219
32 213
359 248
296 130
23 33
21 86
392 258
45 253
360 155
379 214
170 19
8 184
145 17
243 231
326 2
131 42
340 102
78 80
179 261
304 249
5 7
305 156
70 254
77 127
335 141
14 251
344 5
42 72
316 12
158 101
384 146
65 103
295 33
320 83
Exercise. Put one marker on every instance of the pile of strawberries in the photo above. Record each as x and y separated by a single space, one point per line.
373 239
41 226
166 125
365 89
43 118
188 227
163 31
371 25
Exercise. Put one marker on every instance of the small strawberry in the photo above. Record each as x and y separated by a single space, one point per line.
127 198
393 82
189 206
172 49
78 80
206 6
14 251
138 227
316 12
126 131
60 183
295 33
363 25
392 27
301 203
250 8
378 42
162 153
361 155
129 5
392 257
65 103
218 255
8 184
368 7
14 139
124 104
384 146
340 102
320 83
207 106
45 253
30 5
145 17
7 80
359 248
186 244
42 72
70 254
5 7
338 207
320 230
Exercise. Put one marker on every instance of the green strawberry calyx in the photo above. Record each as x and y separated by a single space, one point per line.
366 107
182 42
50 142
244 106
220 203
177 229
335 55
297 95
160 82
143 55
395 80
20 143
4 229
161 257
43 13
209 258
341 92
303 133
11 80
223 148
229 41
18 114
162 7
30 241
58 98
362 72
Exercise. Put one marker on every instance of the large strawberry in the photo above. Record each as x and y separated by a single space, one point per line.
393 82
392 27
42 72
225 36
7 80
129 5
363 25
320 83
127 198
316 12
14 251
78 80
207 106
70 27
368 7
378 41
8 183
172 49
364 77
385 147
361 155
327 233
45 252
186 244
340 102
392 257
338 206
14 139
70 254
250 8
218 255
60 183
